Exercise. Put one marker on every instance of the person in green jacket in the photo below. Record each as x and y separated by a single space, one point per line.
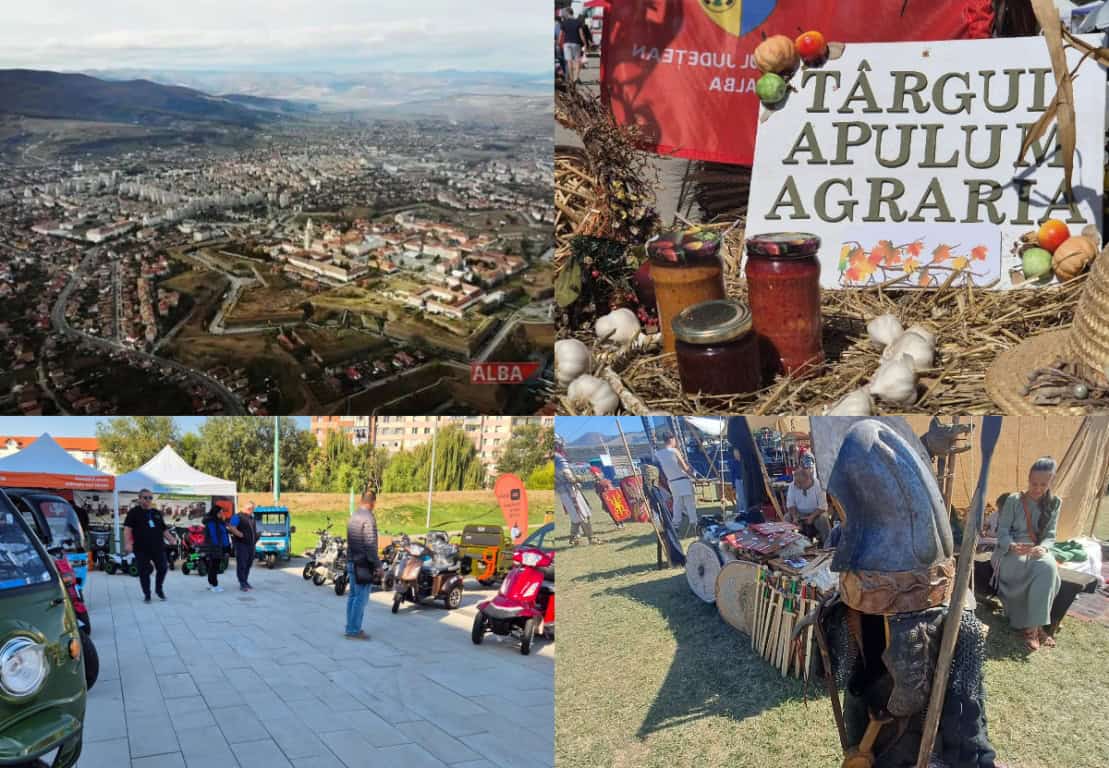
1027 575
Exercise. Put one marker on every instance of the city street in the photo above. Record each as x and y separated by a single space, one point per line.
266 680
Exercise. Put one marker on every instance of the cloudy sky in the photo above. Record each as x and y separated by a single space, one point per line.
278 35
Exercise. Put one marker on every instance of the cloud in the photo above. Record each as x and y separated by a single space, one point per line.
378 34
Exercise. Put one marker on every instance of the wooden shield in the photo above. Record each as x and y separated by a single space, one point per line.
735 594
702 565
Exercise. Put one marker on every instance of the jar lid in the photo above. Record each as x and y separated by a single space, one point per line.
712 322
784 245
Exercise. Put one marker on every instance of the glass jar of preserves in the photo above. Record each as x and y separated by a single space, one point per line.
783 287
718 353
686 270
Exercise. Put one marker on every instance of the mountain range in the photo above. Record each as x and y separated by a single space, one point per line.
328 90
158 98
34 93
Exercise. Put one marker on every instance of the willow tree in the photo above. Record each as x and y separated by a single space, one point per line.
458 466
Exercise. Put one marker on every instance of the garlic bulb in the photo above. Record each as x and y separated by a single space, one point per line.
596 393
857 403
911 344
923 333
894 381
884 330
572 359
617 327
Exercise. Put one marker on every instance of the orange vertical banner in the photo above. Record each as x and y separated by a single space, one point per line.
513 498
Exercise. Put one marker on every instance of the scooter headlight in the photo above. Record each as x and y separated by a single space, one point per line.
531 558
22 667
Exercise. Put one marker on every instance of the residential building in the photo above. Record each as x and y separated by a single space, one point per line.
490 434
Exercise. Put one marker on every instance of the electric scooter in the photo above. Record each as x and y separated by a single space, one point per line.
525 604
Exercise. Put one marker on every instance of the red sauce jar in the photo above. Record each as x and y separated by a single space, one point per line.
783 287
718 353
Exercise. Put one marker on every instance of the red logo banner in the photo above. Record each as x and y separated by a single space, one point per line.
502 373
683 71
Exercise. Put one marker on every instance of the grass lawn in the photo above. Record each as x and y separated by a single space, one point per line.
398 512
648 675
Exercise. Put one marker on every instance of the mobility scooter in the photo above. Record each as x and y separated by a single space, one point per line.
428 570
324 535
525 604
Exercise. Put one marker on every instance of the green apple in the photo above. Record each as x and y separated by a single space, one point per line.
1036 264
771 88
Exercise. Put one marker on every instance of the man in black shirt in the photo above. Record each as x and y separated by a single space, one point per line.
145 534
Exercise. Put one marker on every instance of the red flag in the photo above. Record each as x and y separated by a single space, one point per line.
513 498
683 70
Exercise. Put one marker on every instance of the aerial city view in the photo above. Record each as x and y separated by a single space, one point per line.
338 220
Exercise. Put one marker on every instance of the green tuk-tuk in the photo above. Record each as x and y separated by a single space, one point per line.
275 535
42 671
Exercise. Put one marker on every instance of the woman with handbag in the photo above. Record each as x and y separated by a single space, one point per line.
1026 572
216 543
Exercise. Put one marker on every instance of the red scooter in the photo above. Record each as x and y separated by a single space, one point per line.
77 600
525 604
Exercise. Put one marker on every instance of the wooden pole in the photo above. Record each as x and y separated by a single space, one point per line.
723 427
659 564
991 430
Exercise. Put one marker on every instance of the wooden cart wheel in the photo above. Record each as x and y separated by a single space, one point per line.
702 566
735 594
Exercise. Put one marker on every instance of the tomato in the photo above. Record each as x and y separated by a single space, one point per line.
811 46
1051 234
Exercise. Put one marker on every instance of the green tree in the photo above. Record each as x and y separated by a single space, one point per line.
541 478
339 465
531 446
458 466
240 448
128 442
188 447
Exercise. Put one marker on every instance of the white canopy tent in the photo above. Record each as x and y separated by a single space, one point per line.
168 473
45 464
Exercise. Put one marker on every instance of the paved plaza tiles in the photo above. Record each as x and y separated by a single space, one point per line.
265 679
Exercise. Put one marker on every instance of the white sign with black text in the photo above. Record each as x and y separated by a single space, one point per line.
902 157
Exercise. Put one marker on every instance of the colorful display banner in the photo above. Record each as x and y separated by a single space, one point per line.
905 160
513 498
683 72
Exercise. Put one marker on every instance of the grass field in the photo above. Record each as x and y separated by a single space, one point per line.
648 675
397 512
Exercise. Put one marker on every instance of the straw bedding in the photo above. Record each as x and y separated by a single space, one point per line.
973 326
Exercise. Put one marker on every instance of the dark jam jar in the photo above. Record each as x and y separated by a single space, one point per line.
783 287
686 270
718 353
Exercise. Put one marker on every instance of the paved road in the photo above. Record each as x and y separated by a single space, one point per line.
232 404
266 680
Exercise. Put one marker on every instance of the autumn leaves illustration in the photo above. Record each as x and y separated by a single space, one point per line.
910 264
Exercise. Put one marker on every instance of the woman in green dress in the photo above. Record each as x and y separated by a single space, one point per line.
1027 576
